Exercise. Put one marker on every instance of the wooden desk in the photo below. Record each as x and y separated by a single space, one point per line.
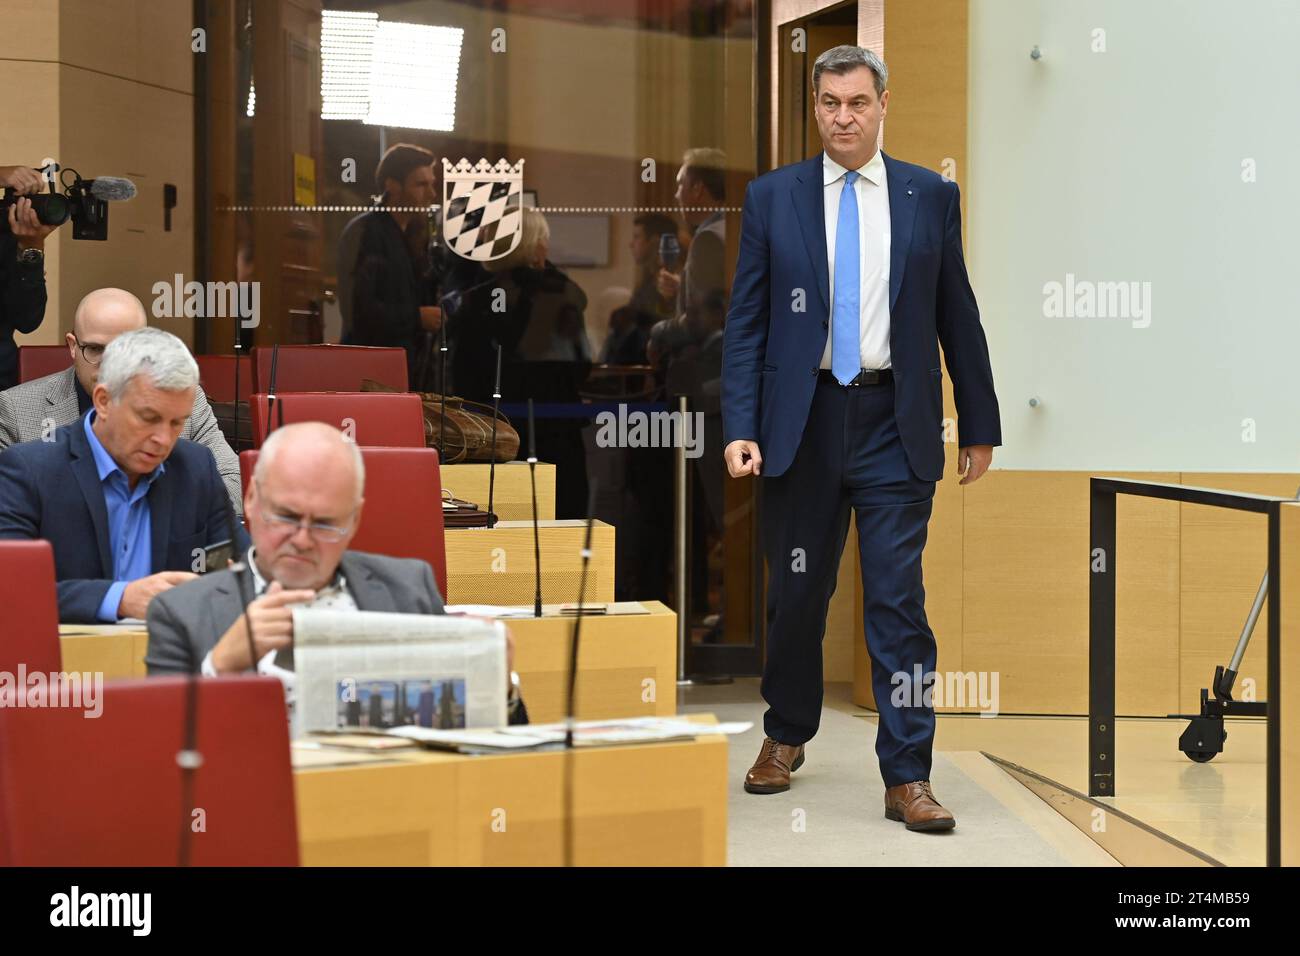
512 497
496 565
647 805
627 663
114 650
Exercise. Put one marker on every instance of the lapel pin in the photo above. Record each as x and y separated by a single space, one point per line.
909 192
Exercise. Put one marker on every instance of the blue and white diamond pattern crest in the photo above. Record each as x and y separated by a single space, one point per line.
482 208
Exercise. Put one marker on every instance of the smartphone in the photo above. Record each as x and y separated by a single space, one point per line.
217 557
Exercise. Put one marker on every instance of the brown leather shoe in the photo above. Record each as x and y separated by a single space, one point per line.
771 771
914 804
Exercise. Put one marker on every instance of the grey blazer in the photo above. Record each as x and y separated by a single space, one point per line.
29 409
186 621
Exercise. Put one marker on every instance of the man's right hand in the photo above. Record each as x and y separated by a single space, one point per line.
272 622
22 179
667 283
137 595
743 458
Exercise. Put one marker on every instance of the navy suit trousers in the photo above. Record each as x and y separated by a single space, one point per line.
850 457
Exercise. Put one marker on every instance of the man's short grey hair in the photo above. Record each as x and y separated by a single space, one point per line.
845 59
271 448
159 356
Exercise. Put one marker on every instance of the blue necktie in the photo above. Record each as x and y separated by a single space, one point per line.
846 337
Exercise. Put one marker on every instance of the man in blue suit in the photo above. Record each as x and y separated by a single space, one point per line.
850 277
127 506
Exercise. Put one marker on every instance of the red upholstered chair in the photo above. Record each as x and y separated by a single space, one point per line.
217 376
37 361
329 368
378 418
403 512
30 632
106 791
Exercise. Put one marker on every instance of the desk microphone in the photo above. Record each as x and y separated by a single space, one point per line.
537 539
270 389
571 706
492 466
189 759
442 391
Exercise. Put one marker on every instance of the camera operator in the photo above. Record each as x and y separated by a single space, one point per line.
22 268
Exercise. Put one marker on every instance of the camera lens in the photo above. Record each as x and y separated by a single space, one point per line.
52 209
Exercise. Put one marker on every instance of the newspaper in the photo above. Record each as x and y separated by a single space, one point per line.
376 670
587 733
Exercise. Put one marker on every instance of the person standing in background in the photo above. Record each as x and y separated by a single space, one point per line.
385 295
22 268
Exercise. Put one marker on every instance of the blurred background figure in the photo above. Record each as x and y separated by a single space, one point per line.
537 314
630 325
386 293
687 348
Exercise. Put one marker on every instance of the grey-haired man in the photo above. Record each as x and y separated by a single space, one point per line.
128 506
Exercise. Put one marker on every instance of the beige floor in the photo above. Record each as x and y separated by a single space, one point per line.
833 813
1217 807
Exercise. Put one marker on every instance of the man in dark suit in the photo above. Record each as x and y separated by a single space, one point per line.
850 277
33 409
303 509
127 505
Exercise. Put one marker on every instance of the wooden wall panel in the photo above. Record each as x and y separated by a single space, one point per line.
1026 593
145 41
151 143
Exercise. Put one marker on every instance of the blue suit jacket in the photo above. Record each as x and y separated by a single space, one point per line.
772 352
51 490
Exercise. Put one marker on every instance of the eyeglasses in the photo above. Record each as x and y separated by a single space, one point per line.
90 351
329 533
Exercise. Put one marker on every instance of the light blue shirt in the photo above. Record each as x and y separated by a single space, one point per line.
130 538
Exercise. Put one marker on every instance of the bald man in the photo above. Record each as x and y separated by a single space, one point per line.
303 508
33 410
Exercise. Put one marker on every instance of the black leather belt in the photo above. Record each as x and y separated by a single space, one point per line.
866 376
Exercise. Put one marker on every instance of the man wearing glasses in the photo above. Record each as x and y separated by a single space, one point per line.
303 508
33 410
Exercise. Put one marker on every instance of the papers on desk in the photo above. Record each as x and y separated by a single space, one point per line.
588 733
307 755
507 611
488 610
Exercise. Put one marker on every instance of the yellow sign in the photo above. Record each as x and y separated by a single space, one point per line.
304 180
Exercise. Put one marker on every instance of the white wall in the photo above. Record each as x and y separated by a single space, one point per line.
1126 166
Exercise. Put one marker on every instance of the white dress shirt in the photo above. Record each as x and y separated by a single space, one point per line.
334 595
872 191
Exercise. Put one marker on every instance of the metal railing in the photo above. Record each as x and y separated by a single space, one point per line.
1102 566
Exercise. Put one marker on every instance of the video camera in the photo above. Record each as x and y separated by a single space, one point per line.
84 201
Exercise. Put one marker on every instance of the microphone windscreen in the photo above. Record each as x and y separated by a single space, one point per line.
112 188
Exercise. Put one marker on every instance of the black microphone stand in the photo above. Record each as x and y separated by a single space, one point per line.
270 391
537 538
442 392
492 465
571 707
